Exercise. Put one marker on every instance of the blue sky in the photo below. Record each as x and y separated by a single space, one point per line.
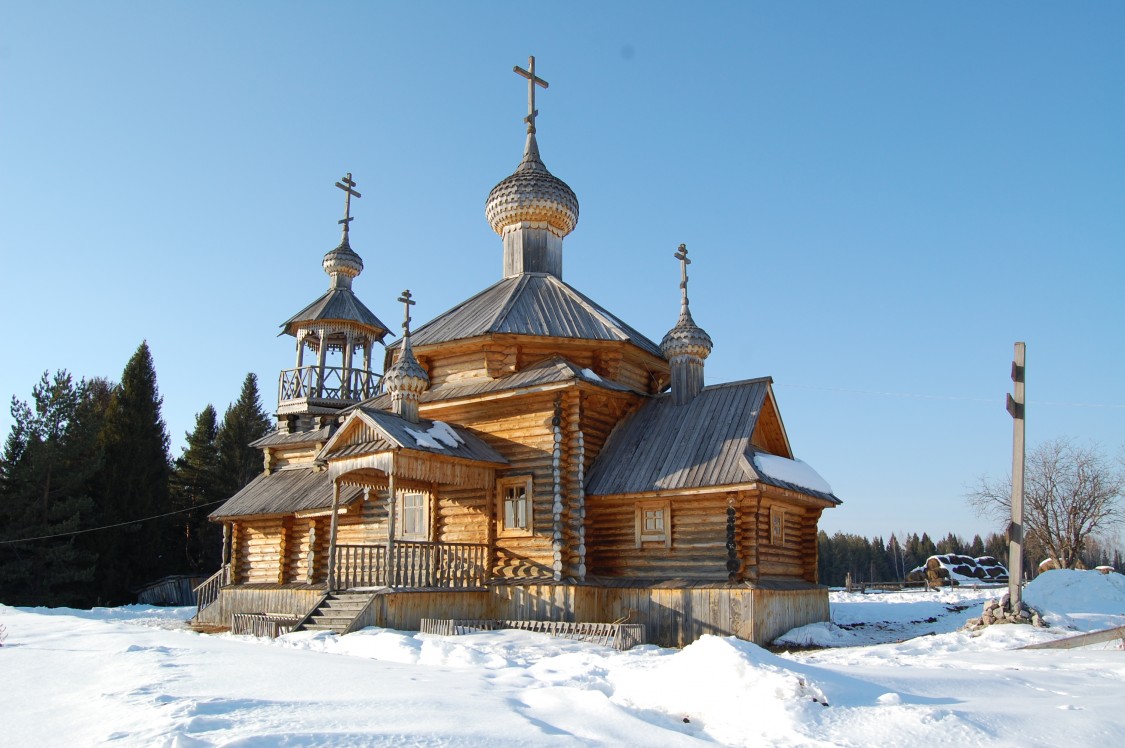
879 199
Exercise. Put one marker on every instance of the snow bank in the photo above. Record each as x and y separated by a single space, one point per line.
1078 600
747 695
791 471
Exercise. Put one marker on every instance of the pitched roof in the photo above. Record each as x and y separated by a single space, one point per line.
529 304
703 443
285 492
395 432
277 438
336 304
553 370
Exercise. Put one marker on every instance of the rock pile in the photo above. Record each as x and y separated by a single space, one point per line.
954 569
1000 611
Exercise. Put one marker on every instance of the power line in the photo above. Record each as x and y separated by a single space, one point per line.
930 396
110 527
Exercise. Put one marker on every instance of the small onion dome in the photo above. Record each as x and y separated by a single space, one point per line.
343 261
532 194
406 375
686 338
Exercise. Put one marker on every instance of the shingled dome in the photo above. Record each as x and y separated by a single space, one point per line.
533 195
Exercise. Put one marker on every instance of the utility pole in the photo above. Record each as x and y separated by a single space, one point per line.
1015 528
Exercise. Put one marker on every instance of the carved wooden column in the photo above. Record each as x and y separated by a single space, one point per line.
331 586
322 350
391 501
347 386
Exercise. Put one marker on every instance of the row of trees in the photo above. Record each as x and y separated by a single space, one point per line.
91 504
873 560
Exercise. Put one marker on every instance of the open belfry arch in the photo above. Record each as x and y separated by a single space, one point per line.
525 454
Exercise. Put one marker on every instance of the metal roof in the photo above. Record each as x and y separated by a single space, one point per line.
705 442
336 304
285 492
529 304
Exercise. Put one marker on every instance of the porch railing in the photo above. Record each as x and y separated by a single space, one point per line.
208 592
354 384
412 564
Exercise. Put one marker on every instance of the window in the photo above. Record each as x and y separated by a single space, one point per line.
777 525
654 520
414 516
513 511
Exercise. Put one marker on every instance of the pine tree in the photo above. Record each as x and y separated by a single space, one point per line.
47 462
195 483
244 422
133 485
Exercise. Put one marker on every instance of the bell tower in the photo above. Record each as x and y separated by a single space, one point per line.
335 329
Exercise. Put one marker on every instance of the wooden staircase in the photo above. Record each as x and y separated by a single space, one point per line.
336 612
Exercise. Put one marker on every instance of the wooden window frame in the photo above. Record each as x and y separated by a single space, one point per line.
777 525
400 528
646 536
515 481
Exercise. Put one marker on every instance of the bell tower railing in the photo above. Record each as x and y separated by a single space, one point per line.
336 383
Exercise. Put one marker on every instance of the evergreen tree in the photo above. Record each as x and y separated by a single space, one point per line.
133 485
195 483
976 548
244 422
45 468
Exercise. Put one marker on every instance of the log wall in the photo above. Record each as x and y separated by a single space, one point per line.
698 548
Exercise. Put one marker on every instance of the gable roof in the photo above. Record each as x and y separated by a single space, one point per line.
389 431
284 492
703 443
336 304
529 304
277 438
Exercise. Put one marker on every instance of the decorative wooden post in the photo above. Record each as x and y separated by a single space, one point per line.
331 586
226 551
1015 529
391 500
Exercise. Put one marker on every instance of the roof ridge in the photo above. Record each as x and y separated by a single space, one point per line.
513 294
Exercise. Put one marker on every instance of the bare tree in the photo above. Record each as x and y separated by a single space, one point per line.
1071 493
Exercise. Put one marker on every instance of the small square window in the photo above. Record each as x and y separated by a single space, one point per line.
653 523
514 505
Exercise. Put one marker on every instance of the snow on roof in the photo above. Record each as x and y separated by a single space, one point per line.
791 471
438 436
591 375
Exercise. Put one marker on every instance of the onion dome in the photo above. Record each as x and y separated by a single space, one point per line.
532 195
405 380
342 264
686 338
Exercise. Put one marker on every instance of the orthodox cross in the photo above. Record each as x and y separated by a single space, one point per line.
532 82
346 184
406 304
681 255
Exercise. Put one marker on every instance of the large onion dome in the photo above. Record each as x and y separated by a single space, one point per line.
532 195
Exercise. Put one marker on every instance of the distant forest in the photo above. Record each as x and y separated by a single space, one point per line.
872 560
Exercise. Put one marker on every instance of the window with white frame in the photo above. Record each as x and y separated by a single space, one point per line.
414 516
513 510
654 523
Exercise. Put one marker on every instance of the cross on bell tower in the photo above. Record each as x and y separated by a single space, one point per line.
532 82
681 255
348 186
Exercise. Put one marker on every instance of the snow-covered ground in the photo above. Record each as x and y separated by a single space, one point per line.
900 669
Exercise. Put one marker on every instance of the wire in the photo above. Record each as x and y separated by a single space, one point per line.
924 396
110 527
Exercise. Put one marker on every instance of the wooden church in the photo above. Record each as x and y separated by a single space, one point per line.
525 456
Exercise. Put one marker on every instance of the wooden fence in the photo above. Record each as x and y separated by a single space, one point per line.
262 624
620 636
